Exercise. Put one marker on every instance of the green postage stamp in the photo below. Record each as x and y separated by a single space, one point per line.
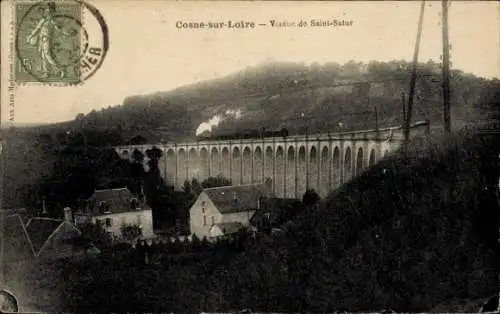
53 45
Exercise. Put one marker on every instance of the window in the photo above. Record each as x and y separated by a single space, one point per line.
108 222
203 210
204 220
213 220
203 203
98 221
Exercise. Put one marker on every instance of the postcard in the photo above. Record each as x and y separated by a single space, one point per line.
276 156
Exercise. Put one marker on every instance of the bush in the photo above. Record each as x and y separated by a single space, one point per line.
130 231
96 234
406 234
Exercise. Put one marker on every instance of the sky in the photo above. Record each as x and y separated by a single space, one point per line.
148 53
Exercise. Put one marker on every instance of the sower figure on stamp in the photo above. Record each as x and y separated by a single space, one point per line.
42 37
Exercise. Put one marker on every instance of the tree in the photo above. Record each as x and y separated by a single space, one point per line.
152 179
80 117
212 182
192 188
137 170
137 140
96 234
44 141
310 198
130 231
152 187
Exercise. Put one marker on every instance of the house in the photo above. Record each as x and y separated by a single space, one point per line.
224 210
115 208
43 238
53 239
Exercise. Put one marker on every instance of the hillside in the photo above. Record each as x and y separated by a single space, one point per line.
275 95
408 234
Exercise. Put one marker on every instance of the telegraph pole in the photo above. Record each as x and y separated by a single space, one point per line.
413 80
446 69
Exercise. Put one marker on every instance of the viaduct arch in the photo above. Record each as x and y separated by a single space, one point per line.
293 163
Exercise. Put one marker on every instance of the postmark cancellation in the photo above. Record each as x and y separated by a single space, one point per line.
57 41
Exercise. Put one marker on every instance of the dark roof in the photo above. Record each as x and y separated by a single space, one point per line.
26 241
17 242
64 244
39 230
237 198
111 194
17 211
118 201
22 212
229 227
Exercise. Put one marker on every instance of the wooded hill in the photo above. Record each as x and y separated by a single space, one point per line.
275 95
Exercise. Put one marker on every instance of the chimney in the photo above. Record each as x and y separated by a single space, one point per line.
235 200
44 209
68 215
141 193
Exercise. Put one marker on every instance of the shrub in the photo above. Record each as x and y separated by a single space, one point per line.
130 231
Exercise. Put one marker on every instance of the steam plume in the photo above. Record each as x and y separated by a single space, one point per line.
213 122
207 126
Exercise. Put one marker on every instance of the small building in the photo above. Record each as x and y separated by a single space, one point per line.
43 238
115 208
54 239
224 210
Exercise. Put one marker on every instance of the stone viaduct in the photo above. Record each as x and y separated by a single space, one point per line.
293 163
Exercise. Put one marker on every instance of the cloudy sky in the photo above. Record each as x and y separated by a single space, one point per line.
148 53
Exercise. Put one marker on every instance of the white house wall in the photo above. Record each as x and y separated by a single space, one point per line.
144 218
196 216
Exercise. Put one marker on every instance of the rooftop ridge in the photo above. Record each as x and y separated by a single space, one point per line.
116 189
232 186
44 218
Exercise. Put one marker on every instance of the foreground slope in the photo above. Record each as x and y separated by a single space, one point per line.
407 234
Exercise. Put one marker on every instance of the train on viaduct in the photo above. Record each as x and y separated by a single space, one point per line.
292 163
